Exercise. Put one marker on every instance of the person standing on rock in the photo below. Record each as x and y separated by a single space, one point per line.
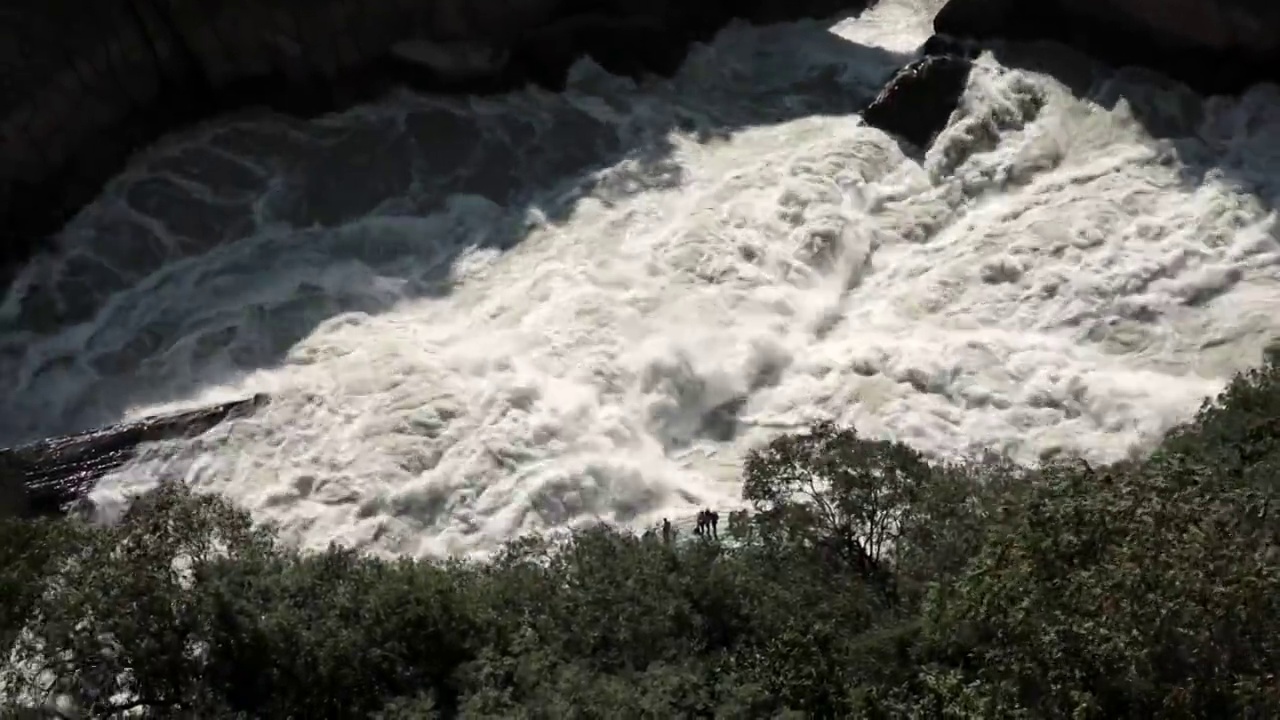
714 517
666 531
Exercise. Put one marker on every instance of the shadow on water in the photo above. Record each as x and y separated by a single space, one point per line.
223 247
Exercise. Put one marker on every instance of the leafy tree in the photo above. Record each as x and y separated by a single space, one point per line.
1237 433
117 622
830 488
1145 589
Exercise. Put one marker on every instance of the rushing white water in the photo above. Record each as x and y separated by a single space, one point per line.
487 317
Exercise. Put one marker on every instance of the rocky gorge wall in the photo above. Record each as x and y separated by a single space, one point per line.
1214 46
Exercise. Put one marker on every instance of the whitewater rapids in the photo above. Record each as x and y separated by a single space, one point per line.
478 318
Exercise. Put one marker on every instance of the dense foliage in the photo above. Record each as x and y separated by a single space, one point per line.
869 582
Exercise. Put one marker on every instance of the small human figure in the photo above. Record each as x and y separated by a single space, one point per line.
666 531
715 522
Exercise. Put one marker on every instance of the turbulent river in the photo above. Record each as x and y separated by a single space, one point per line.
483 317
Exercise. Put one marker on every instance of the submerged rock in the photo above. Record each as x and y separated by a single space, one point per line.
918 100
49 476
630 47
454 63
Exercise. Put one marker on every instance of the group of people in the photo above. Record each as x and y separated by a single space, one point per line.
708 525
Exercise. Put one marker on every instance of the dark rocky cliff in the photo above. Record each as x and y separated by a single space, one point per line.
83 84
1214 46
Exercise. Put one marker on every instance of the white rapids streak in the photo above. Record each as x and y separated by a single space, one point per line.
488 317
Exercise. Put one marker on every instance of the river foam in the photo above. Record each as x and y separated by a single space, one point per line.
479 318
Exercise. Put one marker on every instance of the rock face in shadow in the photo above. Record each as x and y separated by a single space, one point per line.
1214 46
49 476
85 84
918 100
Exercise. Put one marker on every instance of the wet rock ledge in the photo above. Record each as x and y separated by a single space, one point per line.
50 476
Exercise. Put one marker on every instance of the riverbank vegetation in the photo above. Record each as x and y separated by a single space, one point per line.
869 582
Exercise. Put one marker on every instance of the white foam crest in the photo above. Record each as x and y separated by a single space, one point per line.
590 306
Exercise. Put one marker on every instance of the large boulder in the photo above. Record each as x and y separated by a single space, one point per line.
918 100
1214 46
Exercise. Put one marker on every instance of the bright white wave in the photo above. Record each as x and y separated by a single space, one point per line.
478 319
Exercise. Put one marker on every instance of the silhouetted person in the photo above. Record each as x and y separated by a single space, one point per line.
715 522
666 531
